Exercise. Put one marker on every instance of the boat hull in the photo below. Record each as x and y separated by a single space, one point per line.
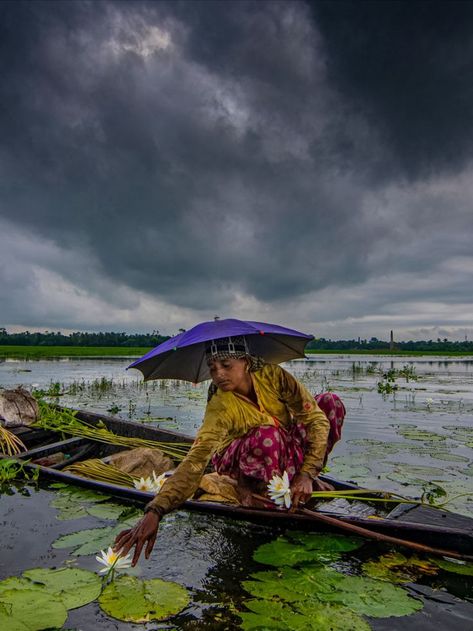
424 525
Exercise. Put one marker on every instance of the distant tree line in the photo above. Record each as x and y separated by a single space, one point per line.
49 338
374 344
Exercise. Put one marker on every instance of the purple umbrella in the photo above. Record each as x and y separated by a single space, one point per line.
183 356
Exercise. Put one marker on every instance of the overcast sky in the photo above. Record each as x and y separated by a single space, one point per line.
304 163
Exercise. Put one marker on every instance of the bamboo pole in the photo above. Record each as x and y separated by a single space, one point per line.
377 536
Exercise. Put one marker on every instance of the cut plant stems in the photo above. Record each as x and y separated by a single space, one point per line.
61 420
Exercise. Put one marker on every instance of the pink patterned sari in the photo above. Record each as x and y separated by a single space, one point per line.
268 450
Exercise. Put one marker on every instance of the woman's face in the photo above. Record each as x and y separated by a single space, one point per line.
230 375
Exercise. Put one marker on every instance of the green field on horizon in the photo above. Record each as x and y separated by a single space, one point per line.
44 352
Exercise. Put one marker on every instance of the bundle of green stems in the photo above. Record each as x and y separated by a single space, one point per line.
10 444
375 495
95 469
65 421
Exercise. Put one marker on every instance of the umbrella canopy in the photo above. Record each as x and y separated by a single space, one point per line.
183 356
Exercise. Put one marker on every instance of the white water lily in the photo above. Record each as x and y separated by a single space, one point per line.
113 561
151 485
144 484
158 481
279 490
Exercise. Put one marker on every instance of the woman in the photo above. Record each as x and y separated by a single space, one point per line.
259 421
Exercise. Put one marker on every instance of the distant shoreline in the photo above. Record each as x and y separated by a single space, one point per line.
45 352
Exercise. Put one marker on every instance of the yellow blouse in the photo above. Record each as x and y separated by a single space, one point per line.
229 416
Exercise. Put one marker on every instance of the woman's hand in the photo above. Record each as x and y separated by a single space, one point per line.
145 531
301 489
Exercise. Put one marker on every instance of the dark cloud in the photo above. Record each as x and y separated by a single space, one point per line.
407 66
205 153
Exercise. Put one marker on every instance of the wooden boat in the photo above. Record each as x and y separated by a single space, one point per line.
407 522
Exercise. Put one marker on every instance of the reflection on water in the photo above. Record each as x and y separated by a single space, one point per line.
212 556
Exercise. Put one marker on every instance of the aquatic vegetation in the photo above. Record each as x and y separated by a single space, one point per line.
65 421
273 615
397 568
9 443
41 598
454 566
11 469
312 584
279 490
420 434
297 548
92 540
133 600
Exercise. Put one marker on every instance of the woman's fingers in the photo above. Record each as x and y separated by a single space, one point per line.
144 532
120 539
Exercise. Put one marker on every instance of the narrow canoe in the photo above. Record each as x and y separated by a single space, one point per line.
408 522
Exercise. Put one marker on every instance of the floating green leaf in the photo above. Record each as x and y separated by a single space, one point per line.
78 493
31 610
457 567
111 511
134 600
308 616
420 434
283 552
326 543
74 586
397 568
89 541
362 595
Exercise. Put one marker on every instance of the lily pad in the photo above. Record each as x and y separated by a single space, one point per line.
457 567
396 568
283 552
326 543
362 595
437 453
420 434
79 493
416 471
134 600
304 617
31 610
110 511
89 541
74 586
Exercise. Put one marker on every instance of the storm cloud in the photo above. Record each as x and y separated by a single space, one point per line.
306 163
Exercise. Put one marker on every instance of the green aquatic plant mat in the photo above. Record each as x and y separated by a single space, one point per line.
74 503
92 540
436 452
397 568
272 615
114 512
457 567
461 434
74 586
363 595
420 434
31 609
133 600
78 493
326 543
283 552
376 447
304 547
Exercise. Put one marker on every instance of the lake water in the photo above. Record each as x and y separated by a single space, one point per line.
419 432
